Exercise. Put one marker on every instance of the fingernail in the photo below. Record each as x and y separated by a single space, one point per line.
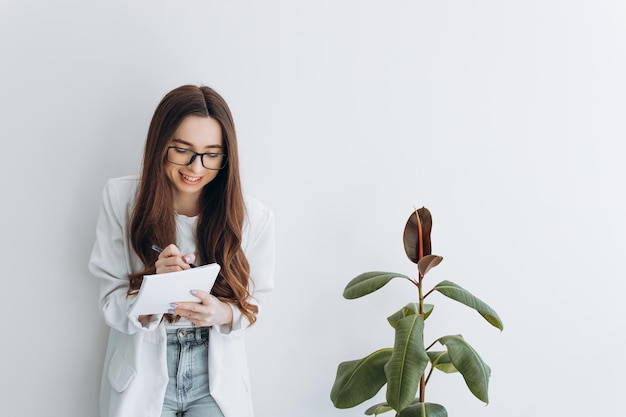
173 305
193 292
187 259
170 311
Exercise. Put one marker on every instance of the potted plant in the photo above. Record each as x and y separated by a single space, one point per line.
406 368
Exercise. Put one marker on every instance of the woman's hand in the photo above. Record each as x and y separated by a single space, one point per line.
210 312
172 260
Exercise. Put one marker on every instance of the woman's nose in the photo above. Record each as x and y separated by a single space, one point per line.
196 164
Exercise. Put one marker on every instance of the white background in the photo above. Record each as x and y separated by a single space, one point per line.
505 118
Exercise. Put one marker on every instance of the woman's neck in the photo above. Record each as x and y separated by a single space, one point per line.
187 205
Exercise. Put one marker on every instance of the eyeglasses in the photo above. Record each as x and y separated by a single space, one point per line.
184 157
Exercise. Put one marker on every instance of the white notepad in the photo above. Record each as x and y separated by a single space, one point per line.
159 290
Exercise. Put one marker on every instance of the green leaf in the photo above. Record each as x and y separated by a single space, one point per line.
454 291
411 308
441 360
411 237
360 379
427 262
424 410
428 308
464 358
407 362
384 407
377 409
369 282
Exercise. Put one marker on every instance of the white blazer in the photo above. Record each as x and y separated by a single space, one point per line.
134 375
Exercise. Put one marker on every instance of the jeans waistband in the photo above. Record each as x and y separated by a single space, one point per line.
188 335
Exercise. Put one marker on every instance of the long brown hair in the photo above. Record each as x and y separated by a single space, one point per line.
219 228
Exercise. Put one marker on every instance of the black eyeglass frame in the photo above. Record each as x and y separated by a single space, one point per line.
193 157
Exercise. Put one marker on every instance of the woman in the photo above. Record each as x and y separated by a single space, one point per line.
188 200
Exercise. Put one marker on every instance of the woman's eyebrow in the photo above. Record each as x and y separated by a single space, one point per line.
184 142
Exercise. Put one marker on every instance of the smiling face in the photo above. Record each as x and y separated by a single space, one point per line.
201 135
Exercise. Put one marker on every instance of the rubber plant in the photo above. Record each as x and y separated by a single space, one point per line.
406 368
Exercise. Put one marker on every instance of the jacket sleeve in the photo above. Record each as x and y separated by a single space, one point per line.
110 263
259 248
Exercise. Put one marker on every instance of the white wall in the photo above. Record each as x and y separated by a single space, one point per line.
504 118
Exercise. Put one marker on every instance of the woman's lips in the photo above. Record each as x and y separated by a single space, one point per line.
188 179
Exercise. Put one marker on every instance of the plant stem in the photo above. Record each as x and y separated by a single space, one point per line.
428 293
432 368
421 312
433 365
421 298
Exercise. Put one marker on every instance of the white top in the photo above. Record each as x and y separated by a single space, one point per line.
186 242
135 367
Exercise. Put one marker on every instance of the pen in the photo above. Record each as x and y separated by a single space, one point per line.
159 250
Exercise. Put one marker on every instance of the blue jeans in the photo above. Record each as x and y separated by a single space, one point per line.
187 391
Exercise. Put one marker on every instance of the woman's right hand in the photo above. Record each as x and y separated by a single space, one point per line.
172 260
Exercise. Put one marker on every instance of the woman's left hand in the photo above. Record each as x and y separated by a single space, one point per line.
209 312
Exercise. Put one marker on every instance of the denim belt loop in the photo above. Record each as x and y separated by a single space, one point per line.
196 335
